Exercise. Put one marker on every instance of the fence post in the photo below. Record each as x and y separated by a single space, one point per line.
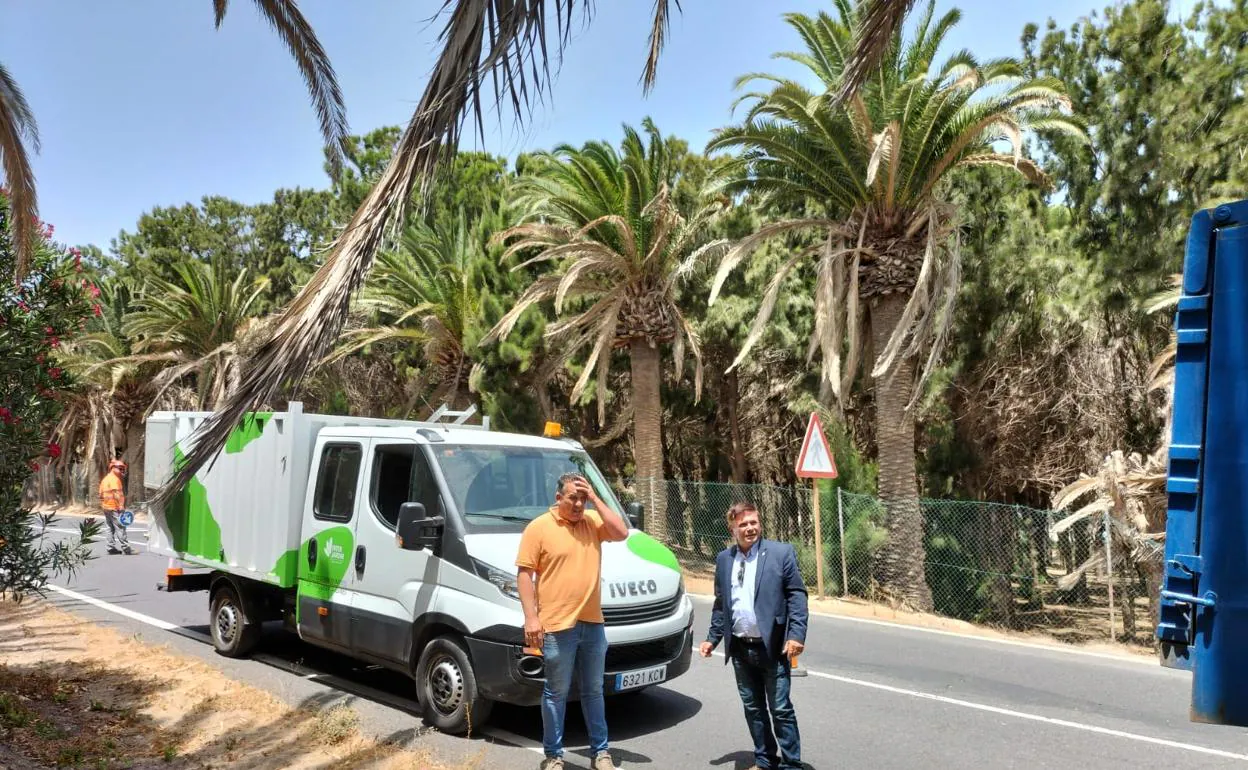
840 525
814 485
1109 570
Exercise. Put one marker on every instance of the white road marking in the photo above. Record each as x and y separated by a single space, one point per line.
516 740
504 735
532 745
1024 715
126 613
1136 660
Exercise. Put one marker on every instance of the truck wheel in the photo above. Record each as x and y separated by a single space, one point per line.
234 634
447 687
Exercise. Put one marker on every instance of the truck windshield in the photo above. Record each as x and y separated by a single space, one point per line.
500 489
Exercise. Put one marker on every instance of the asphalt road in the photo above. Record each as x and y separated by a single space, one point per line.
878 696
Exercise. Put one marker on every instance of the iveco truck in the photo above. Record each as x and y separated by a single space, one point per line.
394 542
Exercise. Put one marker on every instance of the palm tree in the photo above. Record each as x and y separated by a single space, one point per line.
504 41
203 324
619 246
424 293
18 127
114 390
888 263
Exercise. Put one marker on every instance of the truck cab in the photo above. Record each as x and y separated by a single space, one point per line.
399 550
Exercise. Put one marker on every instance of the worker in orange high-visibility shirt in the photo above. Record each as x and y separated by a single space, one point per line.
113 502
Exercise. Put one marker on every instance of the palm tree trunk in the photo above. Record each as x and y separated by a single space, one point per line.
902 556
133 456
647 435
740 468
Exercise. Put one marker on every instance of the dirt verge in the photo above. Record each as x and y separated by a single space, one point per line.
73 694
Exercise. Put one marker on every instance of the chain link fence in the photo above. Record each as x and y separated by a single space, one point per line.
1006 566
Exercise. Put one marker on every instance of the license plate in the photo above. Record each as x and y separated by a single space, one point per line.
646 676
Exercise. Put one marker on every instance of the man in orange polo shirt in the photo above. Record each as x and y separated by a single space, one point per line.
559 565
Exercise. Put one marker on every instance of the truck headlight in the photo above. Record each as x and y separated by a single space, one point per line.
504 581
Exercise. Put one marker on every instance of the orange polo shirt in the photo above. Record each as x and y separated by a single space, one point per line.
568 560
111 496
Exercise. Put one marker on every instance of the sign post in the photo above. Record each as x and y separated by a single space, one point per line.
815 462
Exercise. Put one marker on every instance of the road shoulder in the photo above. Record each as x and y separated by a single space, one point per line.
73 692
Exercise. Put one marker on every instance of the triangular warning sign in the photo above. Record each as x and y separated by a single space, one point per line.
815 460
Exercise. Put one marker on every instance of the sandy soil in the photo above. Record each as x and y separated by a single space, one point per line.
73 694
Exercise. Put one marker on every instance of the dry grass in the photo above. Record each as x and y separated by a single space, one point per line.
73 694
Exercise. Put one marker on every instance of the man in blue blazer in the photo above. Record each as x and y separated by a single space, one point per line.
760 614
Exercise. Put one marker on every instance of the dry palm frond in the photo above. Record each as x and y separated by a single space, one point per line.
1125 488
17 127
872 38
658 34
502 39
318 74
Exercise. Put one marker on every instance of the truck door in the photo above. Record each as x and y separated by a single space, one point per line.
391 585
323 608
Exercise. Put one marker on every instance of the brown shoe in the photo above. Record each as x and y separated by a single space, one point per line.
603 762
551 763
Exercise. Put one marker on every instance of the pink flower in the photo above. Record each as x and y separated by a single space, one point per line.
55 373
39 359
34 466
75 251
22 304
54 343
6 415
54 450
96 309
95 290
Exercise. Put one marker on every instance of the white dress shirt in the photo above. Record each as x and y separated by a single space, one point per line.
744 622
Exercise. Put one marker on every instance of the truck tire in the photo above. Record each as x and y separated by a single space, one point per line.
234 633
447 688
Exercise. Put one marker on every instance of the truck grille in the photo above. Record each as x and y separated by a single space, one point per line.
641 613
621 657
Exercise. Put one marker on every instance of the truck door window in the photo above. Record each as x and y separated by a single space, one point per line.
336 482
401 474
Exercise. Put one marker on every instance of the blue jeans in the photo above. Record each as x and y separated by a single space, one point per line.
763 684
581 651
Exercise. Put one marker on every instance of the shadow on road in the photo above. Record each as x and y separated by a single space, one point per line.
743 760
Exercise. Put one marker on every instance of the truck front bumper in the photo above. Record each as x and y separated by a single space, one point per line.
506 674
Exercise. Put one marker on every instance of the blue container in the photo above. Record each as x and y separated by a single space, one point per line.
1203 624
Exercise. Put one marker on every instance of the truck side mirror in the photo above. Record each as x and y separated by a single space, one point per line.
637 512
418 530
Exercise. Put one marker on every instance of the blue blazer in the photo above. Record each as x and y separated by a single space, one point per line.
779 598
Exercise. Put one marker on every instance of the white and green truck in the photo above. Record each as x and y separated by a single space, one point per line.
394 542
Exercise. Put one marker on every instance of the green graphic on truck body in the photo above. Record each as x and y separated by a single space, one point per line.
645 547
193 530
335 548
286 569
247 431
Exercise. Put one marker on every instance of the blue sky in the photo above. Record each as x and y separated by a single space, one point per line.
142 103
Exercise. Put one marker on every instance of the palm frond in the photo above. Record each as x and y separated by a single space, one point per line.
658 36
505 39
318 74
873 35
17 127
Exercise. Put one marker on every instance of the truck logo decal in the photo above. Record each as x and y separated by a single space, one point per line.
333 551
622 590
